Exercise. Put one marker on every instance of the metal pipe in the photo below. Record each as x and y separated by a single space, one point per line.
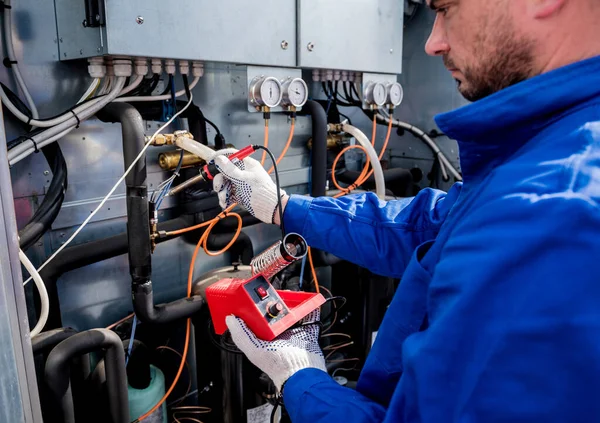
58 371
170 159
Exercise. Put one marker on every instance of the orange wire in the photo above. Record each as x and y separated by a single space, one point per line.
124 319
202 243
385 144
187 333
266 142
312 269
364 178
363 175
287 145
335 163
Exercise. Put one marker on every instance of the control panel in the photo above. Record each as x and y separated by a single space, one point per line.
266 299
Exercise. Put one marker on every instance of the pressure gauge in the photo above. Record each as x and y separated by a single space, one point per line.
265 91
375 94
395 94
295 92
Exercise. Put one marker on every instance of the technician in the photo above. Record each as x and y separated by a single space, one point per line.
497 317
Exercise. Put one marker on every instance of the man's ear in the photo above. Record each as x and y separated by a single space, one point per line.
541 9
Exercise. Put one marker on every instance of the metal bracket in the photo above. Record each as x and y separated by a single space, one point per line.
95 15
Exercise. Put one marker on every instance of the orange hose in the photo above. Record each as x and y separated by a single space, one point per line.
266 142
363 174
312 269
374 130
335 162
385 144
201 242
187 338
287 145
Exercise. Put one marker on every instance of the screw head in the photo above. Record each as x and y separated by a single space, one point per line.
81 52
60 39
84 23
139 20
391 51
285 45
98 18
46 172
99 49
310 46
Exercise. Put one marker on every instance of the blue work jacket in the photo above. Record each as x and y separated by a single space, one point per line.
503 270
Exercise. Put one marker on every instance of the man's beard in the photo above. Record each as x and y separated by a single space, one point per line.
506 64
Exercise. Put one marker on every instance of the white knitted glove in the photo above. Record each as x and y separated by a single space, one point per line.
294 350
248 184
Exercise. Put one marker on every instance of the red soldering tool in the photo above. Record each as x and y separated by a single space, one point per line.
209 171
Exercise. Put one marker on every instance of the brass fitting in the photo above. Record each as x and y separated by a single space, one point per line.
333 141
169 139
170 159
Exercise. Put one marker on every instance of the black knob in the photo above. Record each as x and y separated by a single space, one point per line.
275 309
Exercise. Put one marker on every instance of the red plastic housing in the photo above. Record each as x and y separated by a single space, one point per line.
245 299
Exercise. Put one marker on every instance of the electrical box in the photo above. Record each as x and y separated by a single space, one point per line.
261 32
353 35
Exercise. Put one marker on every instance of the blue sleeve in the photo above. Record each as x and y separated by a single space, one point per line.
514 312
311 395
374 234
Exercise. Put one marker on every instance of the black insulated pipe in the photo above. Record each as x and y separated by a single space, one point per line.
319 146
47 340
138 228
58 371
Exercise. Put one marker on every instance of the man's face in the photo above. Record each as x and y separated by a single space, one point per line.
481 45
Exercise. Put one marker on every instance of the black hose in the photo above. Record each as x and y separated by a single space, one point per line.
46 213
58 371
53 200
319 146
47 340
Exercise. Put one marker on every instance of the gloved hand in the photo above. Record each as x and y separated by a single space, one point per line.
248 184
294 350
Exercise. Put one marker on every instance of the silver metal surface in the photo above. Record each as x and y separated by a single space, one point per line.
254 74
231 31
279 256
354 35
368 82
19 401
100 294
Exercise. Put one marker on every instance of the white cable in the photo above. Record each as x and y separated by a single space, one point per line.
195 148
133 84
372 154
41 139
114 188
10 51
158 97
90 90
41 145
444 162
39 283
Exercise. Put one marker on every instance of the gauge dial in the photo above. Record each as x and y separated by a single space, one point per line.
395 94
265 91
295 92
376 93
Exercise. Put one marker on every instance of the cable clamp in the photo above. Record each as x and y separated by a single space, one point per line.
76 117
35 146
8 63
